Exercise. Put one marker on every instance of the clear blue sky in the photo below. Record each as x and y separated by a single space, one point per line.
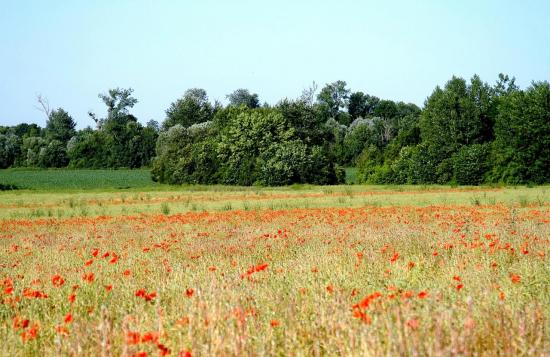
69 51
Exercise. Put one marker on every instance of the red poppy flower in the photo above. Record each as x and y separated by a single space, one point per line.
132 338
515 278
58 281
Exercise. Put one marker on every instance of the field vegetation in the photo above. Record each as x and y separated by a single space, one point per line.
301 270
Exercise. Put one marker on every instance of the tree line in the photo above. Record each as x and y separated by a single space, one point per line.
468 132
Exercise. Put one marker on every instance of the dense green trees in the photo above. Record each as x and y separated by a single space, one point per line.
243 97
241 146
60 126
119 140
522 136
468 132
9 148
471 133
192 108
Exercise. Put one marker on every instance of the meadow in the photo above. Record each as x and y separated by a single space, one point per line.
66 179
299 270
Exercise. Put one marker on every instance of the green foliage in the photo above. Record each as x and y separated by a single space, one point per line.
242 97
120 141
367 162
522 136
361 105
185 155
470 163
359 135
242 146
30 150
90 149
60 126
467 133
457 115
334 99
283 163
245 137
306 121
9 147
193 108
414 165
54 154
61 179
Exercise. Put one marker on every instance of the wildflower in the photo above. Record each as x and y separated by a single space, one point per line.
62 330
58 281
422 294
68 318
150 337
132 338
363 304
189 292
459 286
515 278
163 350
88 277
357 313
413 324
274 323
19 323
30 334
394 257
29 293
142 293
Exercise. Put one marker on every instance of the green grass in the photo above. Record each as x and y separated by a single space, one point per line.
351 175
64 179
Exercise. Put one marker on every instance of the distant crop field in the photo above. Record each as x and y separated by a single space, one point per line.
299 270
64 179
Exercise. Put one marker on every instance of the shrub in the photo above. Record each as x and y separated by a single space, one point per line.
470 164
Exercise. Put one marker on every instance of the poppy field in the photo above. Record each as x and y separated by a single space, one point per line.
343 270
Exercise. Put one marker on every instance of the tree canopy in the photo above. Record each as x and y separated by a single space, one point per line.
468 132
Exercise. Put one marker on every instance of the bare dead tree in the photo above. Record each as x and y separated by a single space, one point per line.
44 105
